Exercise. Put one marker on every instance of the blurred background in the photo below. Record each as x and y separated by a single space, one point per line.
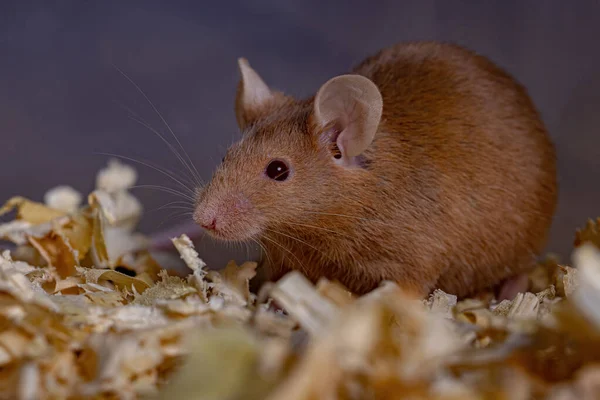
62 101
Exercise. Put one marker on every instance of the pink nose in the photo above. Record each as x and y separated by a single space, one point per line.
212 225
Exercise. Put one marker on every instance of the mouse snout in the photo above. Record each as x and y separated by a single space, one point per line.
207 220
207 217
227 217
210 226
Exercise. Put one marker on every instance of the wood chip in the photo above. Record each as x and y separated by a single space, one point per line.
86 311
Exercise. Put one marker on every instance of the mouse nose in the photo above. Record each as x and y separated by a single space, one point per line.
211 224
206 218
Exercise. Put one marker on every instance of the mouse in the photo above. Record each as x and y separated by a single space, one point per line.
426 164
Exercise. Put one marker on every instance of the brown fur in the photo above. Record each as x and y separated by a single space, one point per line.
457 191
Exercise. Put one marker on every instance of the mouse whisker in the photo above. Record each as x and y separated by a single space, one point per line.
349 216
135 117
175 208
165 189
185 184
190 205
318 228
300 241
352 239
191 167
302 268
194 176
263 249
174 216
175 205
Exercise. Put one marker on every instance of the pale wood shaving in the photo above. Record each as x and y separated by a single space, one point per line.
87 311
184 245
63 198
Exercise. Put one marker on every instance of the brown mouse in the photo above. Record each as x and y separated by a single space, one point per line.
426 164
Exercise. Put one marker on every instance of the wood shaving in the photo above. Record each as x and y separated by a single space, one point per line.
184 245
29 211
116 177
63 198
88 311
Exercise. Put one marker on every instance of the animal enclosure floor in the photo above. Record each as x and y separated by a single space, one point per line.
89 311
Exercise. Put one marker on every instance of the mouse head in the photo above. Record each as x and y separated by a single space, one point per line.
295 158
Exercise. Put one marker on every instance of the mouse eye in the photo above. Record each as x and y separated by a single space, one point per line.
278 170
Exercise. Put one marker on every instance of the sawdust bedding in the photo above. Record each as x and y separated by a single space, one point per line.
88 311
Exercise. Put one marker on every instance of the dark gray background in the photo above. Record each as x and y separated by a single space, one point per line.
60 96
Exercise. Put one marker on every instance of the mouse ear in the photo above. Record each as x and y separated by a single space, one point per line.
352 105
252 94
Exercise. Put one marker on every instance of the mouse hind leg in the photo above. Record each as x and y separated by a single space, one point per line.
510 287
505 279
